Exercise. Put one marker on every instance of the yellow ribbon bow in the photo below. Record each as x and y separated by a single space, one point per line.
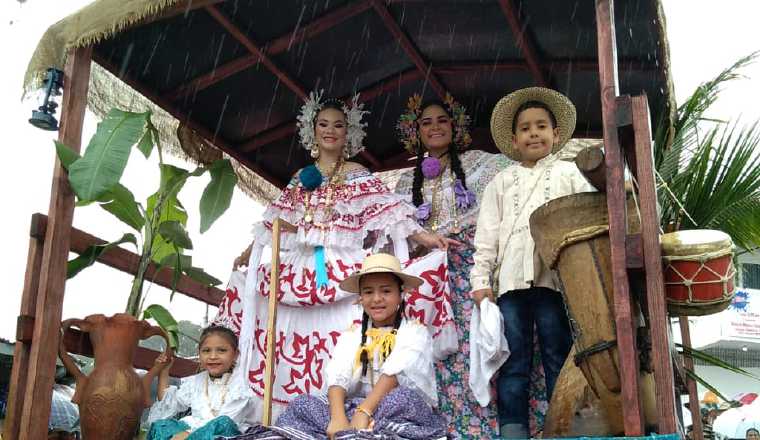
379 338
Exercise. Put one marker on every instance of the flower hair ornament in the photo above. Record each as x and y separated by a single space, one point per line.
355 128
408 123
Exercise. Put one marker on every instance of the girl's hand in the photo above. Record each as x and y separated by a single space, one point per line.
360 421
164 363
181 435
337 425
481 294
432 241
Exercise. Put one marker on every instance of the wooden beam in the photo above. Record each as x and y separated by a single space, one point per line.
411 51
696 415
252 47
317 26
524 42
276 46
561 64
22 348
184 7
289 128
78 342
127 261
633 416
185 119
650 240
52 277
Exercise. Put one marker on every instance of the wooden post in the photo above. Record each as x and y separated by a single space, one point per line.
22 348
696 414
44 350
274 287
650 240
590 162
624 323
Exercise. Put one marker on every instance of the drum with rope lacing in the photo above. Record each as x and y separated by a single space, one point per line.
698 271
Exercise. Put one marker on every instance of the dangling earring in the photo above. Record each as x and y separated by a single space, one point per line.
346 153
315 151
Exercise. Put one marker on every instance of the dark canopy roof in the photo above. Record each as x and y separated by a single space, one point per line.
236 71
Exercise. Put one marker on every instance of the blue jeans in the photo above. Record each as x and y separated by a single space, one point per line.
522 309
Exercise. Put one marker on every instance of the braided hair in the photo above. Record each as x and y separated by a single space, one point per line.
365 324
456 163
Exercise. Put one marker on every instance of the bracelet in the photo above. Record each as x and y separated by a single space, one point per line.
362 410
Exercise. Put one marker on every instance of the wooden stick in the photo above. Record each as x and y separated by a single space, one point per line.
696 414
41 373
274 288
21 351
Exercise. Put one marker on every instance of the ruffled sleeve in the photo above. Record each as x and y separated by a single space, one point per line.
362 206
340 369
411 361
176 400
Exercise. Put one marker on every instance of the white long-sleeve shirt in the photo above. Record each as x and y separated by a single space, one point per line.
504 248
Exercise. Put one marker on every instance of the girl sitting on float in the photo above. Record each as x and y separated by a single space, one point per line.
219 404
380 378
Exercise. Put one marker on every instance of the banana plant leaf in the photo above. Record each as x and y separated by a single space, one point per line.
106 156
165 320
218 194
91 254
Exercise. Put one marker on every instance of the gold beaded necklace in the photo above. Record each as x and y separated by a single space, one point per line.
437 199
215 412
332 182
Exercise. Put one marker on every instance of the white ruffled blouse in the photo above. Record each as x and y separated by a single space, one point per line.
410 361
191 394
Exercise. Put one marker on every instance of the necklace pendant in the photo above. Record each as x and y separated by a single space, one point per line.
308 218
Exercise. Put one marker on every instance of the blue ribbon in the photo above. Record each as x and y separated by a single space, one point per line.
320 266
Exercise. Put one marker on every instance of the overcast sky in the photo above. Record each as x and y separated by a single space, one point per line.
704 39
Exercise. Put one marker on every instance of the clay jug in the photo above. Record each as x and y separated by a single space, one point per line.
112 398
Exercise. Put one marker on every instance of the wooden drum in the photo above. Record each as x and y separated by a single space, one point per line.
572 236
698 271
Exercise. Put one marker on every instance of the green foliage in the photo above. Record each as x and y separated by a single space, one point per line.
106 156
88 257
710 178
218 194
165 320
162 223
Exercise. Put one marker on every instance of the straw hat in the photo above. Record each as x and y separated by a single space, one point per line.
504 113
379 263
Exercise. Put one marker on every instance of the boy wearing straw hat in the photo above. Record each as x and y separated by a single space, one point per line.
530 126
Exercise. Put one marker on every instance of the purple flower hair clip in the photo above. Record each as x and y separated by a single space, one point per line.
464 197
423 212
431 167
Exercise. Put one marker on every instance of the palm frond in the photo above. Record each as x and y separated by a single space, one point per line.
720 186
668 158
712 176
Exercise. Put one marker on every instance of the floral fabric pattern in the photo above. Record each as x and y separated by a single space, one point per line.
467 419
